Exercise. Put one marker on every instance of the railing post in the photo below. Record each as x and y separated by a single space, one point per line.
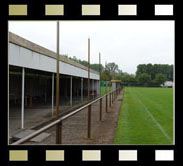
101 109
59 134
106 104
89 121
110 99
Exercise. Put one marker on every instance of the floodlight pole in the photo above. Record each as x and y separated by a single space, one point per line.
106 91
89 107
100 115
58 127
99 73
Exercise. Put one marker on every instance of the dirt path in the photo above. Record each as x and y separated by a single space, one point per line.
74 129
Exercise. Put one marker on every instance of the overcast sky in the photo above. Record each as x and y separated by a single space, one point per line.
127 43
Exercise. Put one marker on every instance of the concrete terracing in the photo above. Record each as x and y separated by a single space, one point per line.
38 116
74 129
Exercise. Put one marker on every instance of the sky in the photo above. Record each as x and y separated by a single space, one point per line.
127 43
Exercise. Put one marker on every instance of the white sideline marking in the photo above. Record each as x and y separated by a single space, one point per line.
158 106
154 120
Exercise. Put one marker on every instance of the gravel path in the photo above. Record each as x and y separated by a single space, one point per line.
74 129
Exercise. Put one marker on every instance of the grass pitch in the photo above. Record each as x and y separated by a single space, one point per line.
146 116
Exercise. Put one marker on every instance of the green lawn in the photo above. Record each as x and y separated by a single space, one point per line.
146 116
105 90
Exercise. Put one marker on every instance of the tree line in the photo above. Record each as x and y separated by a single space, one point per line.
154 75
146 74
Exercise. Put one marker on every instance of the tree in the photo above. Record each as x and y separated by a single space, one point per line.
84 63
152 70
128 79
112 67
104 77
143 78
96 67
141 68
160 78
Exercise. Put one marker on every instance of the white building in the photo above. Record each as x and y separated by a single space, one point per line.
168 84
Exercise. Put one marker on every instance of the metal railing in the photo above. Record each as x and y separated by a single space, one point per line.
113 95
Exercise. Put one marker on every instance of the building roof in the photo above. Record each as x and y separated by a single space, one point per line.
15 39
115 80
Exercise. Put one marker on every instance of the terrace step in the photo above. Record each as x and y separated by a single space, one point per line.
27 132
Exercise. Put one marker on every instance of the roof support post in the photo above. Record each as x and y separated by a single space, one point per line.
98 88
22 107
71 92
30 101
93 88
52 102
82 89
